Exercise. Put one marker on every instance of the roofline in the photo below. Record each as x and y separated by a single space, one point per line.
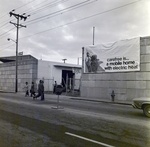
68 66
6 60
60 64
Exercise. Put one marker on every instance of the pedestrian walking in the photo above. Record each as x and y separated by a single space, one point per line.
32 89
42 97
40 90
26 87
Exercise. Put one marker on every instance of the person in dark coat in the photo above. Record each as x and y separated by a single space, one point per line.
40 90
32 89
42 96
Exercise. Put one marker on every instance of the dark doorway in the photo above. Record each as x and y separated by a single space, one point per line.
69 82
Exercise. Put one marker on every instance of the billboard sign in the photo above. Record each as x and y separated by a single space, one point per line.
120 56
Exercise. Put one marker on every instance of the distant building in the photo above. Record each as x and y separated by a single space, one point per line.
31 69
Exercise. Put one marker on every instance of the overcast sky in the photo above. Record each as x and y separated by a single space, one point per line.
58 29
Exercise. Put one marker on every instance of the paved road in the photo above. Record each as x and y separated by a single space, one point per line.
80 123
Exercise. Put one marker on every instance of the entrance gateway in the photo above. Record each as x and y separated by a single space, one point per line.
67 79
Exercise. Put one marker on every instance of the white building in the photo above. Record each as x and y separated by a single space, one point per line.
31 69
62 73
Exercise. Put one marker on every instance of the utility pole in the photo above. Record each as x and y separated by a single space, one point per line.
93 34
17 25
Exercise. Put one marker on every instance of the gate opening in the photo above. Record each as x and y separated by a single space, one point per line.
67 79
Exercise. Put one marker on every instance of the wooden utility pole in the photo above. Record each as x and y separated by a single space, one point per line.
17 25
93 34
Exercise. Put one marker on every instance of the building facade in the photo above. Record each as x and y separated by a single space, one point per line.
66 74
27 72
126 85
31 70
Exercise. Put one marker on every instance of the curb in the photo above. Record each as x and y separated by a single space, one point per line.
102 101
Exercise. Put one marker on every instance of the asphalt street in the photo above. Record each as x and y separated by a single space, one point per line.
77 122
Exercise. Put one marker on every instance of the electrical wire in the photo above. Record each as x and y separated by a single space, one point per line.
24 5
37 9
7 31
29 10
46 6
100 13
69 23
7 47
61 11
3 16
5 23
18 8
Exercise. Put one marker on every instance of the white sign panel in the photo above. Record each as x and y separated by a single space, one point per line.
120 56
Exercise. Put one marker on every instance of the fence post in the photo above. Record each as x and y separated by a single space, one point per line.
66 84
73 84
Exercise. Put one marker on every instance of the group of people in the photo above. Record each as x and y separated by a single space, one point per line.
32 91
40 90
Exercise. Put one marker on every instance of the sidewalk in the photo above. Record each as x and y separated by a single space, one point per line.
91 99
63 95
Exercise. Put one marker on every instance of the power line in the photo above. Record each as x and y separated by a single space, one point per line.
52 4
49 5
6 22
24 5
59 12
31 9
100 13
62 11
6 47
3 16
4 44
7 31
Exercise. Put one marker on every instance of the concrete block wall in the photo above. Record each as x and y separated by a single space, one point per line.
27 72
126 85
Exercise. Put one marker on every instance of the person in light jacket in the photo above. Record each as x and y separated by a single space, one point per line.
26 87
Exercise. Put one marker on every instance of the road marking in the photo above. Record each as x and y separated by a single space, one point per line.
97 142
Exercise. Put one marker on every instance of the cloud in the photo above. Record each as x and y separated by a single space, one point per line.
64 35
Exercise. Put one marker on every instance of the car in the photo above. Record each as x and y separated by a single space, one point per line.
142 103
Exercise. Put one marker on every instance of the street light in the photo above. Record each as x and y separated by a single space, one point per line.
11 40
16 86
